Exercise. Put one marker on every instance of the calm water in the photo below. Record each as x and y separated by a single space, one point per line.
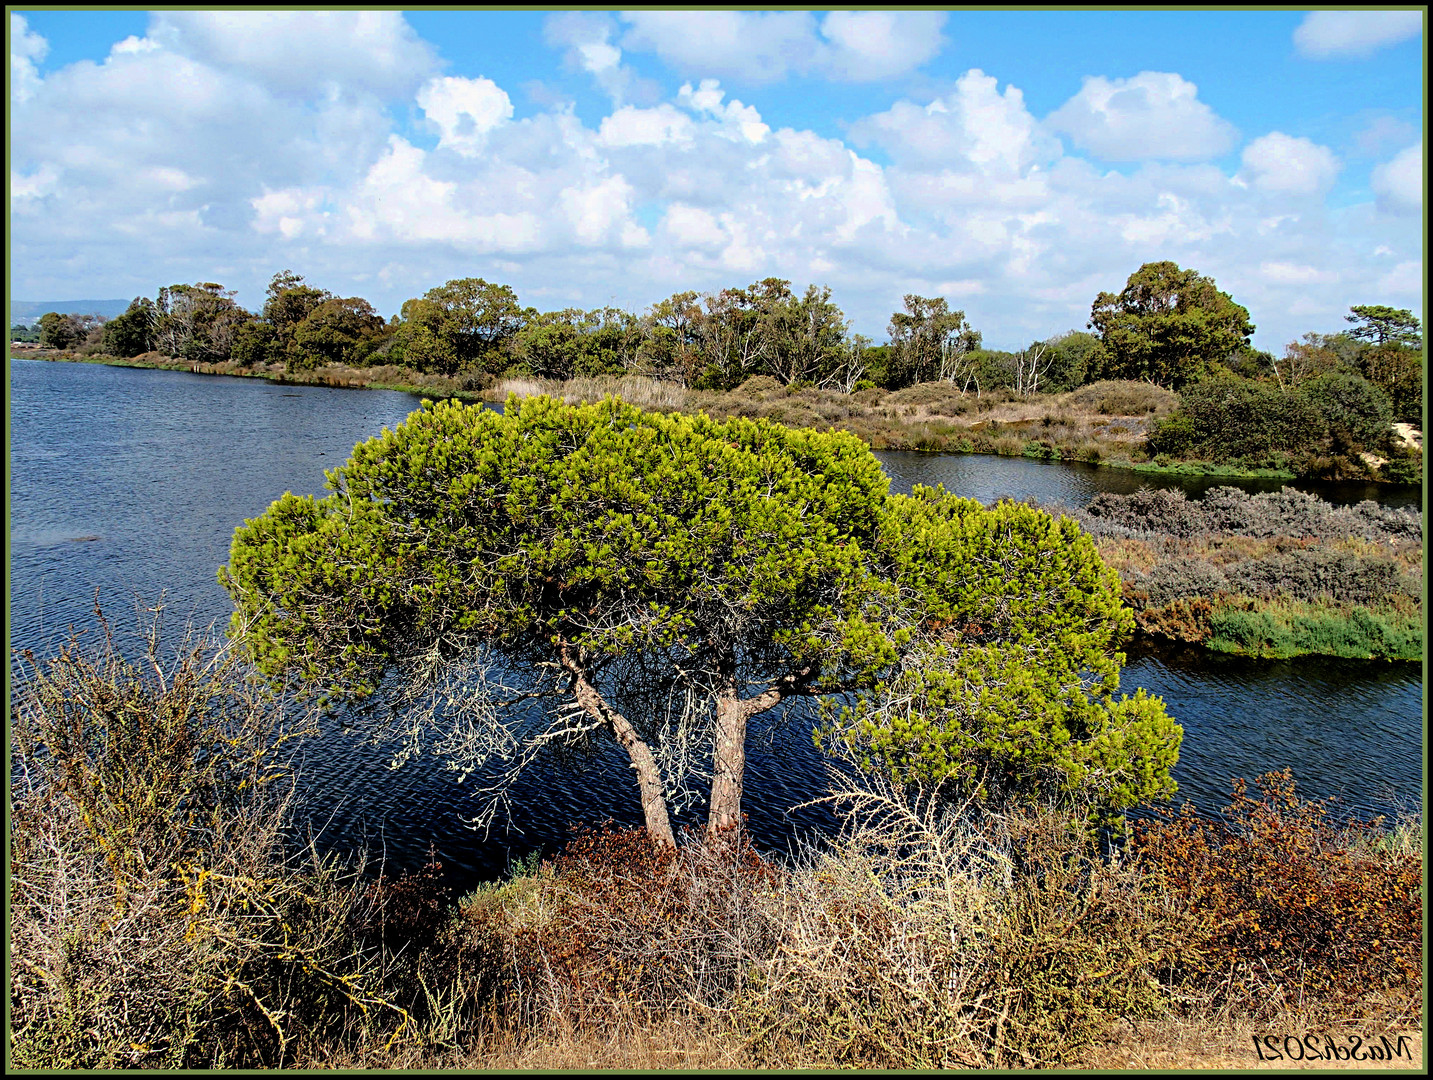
131 482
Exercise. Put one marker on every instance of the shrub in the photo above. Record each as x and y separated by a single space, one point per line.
1281 901
1124 397
1358 413
157 916
1294 628
1226 419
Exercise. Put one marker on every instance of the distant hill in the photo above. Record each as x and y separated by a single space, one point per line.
24 312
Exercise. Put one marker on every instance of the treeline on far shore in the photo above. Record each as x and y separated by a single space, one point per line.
1325 408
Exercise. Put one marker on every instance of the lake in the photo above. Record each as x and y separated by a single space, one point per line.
127 483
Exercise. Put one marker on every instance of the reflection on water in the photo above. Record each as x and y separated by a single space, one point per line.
129 482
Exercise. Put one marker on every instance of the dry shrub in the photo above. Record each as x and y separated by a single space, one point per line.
1123 397
619 932
1283 905
938 398
1186 619
158 915
927 938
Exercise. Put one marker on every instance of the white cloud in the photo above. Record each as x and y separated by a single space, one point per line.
1154 115
1384 131
598 210
631 126
1404 279
586 36
132 44
708 99
1399 183
975 128
464 110
869 45
763 47
1283 273
692 226
1355 34
1287 165
27 49
302 52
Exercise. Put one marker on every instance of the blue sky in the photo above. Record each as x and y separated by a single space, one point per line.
1016 163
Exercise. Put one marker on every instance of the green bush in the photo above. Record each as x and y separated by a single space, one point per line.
1228 419
1358 413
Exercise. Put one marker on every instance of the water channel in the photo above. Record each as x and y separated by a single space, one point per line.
126 483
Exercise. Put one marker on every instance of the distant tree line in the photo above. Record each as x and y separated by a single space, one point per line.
1169 326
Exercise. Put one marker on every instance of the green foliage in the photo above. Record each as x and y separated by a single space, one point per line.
1073 357
1358 413
1282 630
132 333
1230 418
1379 324
929 341
336 331
1008 692
57 331
1397 370
1168 325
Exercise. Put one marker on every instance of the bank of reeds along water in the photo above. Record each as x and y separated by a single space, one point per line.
1277 574
164 913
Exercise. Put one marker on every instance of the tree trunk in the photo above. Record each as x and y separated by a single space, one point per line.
644 763
729 753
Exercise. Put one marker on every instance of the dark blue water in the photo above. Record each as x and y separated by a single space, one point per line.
131 482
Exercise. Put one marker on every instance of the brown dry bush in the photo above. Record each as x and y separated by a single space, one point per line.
160 915
1123 397
927 938
1284 907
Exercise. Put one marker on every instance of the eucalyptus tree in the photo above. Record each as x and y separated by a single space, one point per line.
667 578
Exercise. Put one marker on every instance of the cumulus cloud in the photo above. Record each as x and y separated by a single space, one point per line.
975 128
763 47
1399 183
303 52
631 126
27 49
464 110
587 38
1287 165
1154 115
707 99
157 165
1354 34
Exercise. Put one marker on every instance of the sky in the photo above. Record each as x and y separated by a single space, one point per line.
1016 163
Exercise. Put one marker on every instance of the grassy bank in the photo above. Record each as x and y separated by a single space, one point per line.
163 915
1103 424
1274 575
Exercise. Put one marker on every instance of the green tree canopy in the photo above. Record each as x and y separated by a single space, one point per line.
1007 682
929 341
132 333
1378 324
1169 326
669 578
337 331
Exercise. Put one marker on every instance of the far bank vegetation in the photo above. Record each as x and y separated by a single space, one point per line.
1163 375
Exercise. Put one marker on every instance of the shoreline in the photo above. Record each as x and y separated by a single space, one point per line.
922 432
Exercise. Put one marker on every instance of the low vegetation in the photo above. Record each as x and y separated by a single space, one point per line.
1276 575
165 914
